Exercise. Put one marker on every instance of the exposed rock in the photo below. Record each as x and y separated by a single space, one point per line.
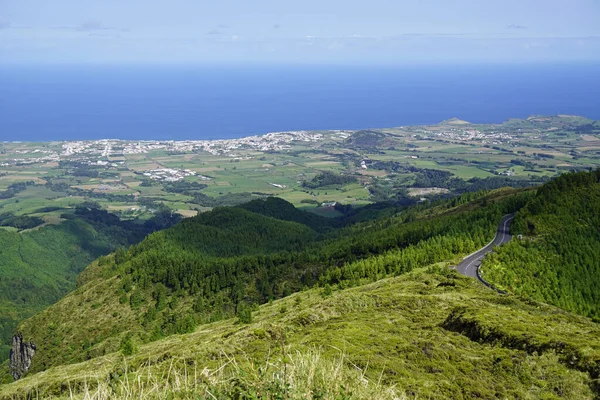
20 356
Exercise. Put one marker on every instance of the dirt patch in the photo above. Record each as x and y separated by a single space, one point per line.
187 213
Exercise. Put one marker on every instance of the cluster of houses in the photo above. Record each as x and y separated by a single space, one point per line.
170 174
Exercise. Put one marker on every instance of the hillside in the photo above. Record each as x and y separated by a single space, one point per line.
281 209
558 260
38 267
428 334
261 299
227 261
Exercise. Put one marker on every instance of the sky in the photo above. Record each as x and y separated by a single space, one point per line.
301 32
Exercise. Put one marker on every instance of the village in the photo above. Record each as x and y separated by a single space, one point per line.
104 149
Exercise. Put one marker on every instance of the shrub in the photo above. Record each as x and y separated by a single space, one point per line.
244 314
128 347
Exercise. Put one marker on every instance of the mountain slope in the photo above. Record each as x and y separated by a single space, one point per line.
38 267
231 231
281 209
156 320
230 260
558 260
428 334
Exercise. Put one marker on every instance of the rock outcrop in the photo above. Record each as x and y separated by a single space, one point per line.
20 356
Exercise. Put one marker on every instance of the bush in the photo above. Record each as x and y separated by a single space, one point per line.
244 314
128 347
136 299
309 201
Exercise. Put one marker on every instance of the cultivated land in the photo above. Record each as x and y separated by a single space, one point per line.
136 178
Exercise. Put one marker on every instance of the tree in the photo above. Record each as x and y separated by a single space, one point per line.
244 314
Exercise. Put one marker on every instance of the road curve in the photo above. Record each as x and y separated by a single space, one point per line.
470 264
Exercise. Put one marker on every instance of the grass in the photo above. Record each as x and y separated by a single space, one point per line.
308 375
388 339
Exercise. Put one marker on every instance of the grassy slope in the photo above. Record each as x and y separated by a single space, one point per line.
428 334
94 319
91 320
38 267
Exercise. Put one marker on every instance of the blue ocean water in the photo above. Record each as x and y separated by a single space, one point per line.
86 102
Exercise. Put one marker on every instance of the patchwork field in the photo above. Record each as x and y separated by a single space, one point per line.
136 178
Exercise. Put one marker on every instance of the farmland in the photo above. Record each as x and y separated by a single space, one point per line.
134 179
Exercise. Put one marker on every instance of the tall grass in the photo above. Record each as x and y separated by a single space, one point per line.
293 375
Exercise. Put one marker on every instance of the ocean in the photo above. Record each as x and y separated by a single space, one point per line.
166 102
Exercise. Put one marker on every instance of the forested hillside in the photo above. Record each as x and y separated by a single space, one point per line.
558 260
150 317
281 209
228 261
38 267
428 334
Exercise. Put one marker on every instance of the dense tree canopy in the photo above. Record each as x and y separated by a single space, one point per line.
227 261
558 260
38 267
328 178
231 257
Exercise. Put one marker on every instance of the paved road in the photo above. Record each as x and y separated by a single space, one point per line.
468 266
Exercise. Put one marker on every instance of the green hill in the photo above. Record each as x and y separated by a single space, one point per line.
428 334
224 262
40 266
558 260
281 209
546 122
454 121
260 302
231 231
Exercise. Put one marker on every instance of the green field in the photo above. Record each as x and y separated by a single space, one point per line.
516 153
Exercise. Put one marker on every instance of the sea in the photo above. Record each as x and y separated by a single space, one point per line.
46 103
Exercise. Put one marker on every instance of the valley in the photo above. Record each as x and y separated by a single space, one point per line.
317 200
338 264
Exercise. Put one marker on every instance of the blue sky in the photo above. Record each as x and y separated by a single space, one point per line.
309 31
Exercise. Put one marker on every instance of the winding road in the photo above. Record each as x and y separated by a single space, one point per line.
469 266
